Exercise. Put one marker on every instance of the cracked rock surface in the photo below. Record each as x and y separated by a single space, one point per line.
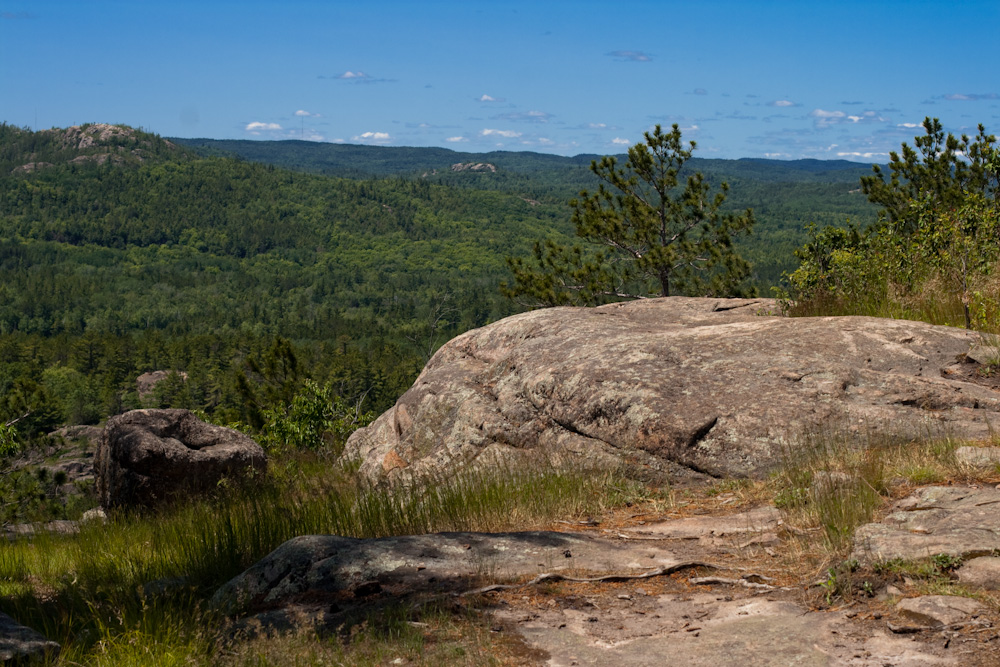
677 387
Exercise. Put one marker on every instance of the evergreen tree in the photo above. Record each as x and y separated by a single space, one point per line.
646 236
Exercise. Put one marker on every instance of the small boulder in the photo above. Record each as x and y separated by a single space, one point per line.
146 383
981 572
978 457
148 457
19 644
937 610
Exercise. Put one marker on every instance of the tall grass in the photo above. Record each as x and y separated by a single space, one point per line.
836 481
141 580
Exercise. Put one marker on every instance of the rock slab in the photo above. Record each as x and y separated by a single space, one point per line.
938 610
318 565
959 521
149 457
19 644
717 387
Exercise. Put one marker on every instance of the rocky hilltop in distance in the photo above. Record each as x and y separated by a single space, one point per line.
93 143
687 387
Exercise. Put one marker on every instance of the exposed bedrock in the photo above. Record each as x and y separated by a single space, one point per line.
696 386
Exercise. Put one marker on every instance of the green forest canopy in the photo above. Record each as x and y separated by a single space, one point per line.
122 252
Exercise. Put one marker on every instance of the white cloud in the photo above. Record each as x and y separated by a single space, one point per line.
972 97
257 127
909 126
508 134
456 140
635 56
546 142
306 114
783 103
490 98
373 137
529 117
597 126
827 118
867 156
777 156
618 141
353 75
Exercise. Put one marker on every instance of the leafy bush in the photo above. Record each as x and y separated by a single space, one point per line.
316 419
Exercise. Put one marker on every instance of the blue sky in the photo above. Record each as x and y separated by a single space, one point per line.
783 79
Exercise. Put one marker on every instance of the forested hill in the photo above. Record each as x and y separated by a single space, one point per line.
786 195
122 252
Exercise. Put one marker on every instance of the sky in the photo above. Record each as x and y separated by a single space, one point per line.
783 79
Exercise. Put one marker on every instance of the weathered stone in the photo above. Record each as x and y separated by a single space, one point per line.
146 383
19 644
983 572
980 457
148 457
959 521
710 529
705 630
937 610
330 565
721 387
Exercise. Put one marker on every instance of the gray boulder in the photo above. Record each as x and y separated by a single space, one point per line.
19 644
148 457
684 386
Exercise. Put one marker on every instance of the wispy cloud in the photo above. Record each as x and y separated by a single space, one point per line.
700 91
971 97
456 140
358 76
489 98
507 134
825 118
633 56
15 16
597 126
782 103
527 117
373 138
909 126
618 141
307 114
868 155
257 127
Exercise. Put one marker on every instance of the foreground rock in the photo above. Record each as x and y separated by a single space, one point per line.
959 521
315 566
19 645
675 385
707 629
148 457
628 596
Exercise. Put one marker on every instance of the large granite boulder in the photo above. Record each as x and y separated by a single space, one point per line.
678 385
148 457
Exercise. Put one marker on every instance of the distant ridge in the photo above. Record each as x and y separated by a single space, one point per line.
358 160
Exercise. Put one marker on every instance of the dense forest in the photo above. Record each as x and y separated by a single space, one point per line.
254 266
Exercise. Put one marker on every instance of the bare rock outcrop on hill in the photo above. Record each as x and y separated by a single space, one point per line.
148 457
678 385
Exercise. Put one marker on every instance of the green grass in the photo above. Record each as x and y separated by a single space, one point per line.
90 592
837 481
